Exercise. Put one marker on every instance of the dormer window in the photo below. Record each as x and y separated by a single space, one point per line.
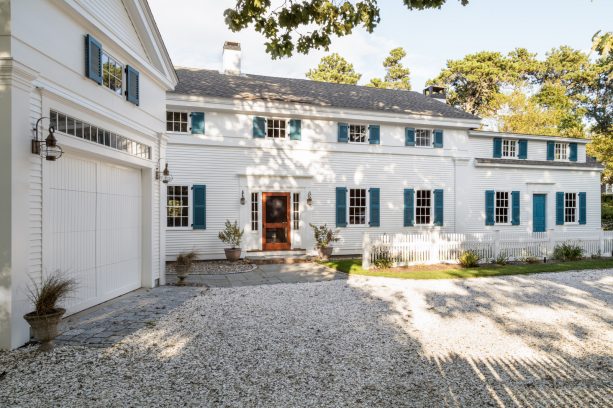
509 148
561 151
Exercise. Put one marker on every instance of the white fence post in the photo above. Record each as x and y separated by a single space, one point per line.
601 242
365 251
551 242
434 246
496 244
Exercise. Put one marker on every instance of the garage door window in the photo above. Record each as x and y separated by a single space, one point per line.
177 206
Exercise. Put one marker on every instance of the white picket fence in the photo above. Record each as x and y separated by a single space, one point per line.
433 247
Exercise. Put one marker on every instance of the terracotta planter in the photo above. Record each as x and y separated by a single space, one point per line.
233 254
325 252
182 272
44 327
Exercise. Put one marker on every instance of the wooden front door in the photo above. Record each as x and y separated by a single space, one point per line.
276 222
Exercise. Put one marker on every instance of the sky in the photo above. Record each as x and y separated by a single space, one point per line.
194 32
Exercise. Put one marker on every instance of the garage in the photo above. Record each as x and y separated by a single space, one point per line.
93 227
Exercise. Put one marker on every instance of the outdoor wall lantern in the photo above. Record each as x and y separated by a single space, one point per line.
165 175
243 197
47 148
309 199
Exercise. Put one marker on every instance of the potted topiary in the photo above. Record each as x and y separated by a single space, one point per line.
324 236
232 235
45 318
183 266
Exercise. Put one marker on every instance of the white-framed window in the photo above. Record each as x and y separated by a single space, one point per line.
177 121
502 207
509 148
177 206
357 206
296 211
276 128
255 211
570 208
423 207
357 133
112 73
423 138
561 151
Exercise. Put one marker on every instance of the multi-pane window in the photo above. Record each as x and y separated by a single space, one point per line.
570 207
423 137
509 148
276 128
423 207
176 121
357 133
177 206
357 206
502 207
296 211
254 211
561 151
112 73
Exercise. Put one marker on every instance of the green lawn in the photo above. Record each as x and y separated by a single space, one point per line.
354 267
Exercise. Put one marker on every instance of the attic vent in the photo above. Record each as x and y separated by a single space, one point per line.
436 92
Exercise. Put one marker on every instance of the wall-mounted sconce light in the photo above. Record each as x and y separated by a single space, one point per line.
243 197
164 175
309 199
47 148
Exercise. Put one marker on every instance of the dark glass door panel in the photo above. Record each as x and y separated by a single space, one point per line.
276 209
276 235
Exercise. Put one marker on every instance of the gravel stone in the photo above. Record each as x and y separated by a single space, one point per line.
535 341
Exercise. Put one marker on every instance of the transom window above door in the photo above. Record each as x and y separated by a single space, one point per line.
357 133
561 151
509 148
176 121
357 206
276 128
423 137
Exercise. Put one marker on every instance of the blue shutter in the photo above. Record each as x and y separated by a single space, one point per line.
409 136
341 206
572 156
375 208
343 133
497 148
197 123
551 146
489 207
132 85
523 149
438 208
515 214
199 207
409 207
438 138
559 208
93 59
295 129
582 208
374 131
259 127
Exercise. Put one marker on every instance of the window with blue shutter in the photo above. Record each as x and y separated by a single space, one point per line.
559 208
497 148
343 133
572 156
551 147
438 138
374 134
295 129
438 207
93 59
341 206
132 85
199 207
582 208
489 207
522 154
375 208
409 207
515 208
409 136
259 127
197 123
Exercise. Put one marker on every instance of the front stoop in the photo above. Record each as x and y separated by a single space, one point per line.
278 257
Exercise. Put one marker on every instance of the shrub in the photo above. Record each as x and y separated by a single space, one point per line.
567 252
597 255
384 260
324 235
469 259
53 288
231 234
186 258
502 259
531 260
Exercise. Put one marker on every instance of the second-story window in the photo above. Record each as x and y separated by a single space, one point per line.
276 128
357 133
176 121
112 73
423 137
509 148
561 151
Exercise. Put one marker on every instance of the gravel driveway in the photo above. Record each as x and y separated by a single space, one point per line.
538 340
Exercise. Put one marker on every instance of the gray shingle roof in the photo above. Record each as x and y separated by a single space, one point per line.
204 82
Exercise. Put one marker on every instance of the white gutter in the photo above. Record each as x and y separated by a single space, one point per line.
483 133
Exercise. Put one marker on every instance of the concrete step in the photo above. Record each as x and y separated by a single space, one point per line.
278 257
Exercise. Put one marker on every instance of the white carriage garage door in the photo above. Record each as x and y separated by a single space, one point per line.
93 227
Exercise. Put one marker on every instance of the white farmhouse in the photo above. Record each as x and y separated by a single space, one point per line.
277 154
97 72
